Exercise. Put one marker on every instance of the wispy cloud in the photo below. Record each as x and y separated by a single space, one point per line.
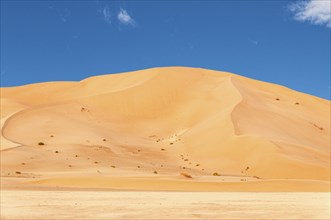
314 11
106 14
125 18
65 15
254 42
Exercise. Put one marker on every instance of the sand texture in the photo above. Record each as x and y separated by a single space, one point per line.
68 205
174 128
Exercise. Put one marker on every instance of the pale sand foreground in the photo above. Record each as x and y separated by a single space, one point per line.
163 205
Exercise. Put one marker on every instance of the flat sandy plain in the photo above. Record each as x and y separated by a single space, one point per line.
38 205
164 129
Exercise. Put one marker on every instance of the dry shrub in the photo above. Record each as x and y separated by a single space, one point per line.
186 175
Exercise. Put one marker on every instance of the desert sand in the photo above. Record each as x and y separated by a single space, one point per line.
173 129
65 205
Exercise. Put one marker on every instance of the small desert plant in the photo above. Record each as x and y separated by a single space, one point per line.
162 149
186 160
186 175
138 166
297 103
69 165
171 143
76 155
317 126
23 163
41 143
113 166
197 165
52 136
277 99
104 139
56 152
18 172
155 172
216 174
96 162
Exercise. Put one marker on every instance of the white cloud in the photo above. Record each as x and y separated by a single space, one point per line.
106 14
64 15
125 18
314 11
254 42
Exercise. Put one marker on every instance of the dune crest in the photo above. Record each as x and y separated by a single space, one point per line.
144 129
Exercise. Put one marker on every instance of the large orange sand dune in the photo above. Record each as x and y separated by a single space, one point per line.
141 130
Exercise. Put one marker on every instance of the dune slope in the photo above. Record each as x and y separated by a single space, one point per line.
171 128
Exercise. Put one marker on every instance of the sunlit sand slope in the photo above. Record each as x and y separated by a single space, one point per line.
169 128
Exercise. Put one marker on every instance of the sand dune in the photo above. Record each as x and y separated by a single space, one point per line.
142 129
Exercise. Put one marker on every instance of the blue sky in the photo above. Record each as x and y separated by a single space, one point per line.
284 42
